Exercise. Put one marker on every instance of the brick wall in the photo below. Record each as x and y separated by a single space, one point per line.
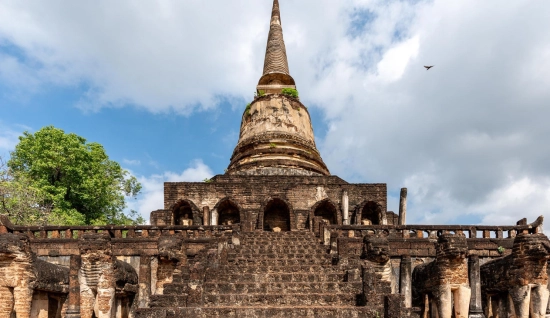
252 194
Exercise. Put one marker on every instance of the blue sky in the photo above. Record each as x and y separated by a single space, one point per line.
162 85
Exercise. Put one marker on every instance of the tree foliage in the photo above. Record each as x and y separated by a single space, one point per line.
20 201
75 178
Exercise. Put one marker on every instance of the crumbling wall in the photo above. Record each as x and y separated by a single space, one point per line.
171 255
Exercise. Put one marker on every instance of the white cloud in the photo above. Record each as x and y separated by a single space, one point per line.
9 138
458 134
151 197
157 55
517 199
395 60
131 162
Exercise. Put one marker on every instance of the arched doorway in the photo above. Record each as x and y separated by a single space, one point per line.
183 214
324 213
371 214
276 214
327 212
228 213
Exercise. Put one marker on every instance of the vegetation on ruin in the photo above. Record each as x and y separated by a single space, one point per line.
57 178
247 109
290 92
272 145
501 249
261 92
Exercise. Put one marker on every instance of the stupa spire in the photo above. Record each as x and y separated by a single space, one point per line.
276 74
275 53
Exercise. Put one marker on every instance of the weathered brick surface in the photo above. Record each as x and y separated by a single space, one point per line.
253 194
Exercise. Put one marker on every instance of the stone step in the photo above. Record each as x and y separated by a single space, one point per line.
175 288
268 256
283 248
171 300
278 237
289 242
277 299
280 262
291 233
263 312
281 287
280 277
300 268
273 234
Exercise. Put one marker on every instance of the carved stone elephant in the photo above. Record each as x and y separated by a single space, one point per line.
517 285
27 283
102 277
437 283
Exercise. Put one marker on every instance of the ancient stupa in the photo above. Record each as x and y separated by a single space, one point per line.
275 236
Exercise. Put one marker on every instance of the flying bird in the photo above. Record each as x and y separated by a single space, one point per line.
428 67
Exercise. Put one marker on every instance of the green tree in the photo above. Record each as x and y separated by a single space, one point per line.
20 201
76 178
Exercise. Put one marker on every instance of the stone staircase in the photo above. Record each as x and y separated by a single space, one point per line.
286 274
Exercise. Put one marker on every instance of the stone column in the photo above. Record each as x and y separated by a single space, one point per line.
403 207
405 279
73 308
144 281
205 215
476 310
345 208
214 217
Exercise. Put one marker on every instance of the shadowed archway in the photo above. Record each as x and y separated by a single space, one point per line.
186 213
323 212
327 212
370 214
229 213
276 214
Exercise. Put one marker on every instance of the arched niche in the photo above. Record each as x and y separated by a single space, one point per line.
277 214
370 213
326 211
228 212
323 212
185 212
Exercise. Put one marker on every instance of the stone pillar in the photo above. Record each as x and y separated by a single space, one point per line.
405 279
345 208
476 310
214 217
403 207
205 215
73 308
144 281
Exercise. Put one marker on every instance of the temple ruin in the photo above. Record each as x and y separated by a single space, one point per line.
275 236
